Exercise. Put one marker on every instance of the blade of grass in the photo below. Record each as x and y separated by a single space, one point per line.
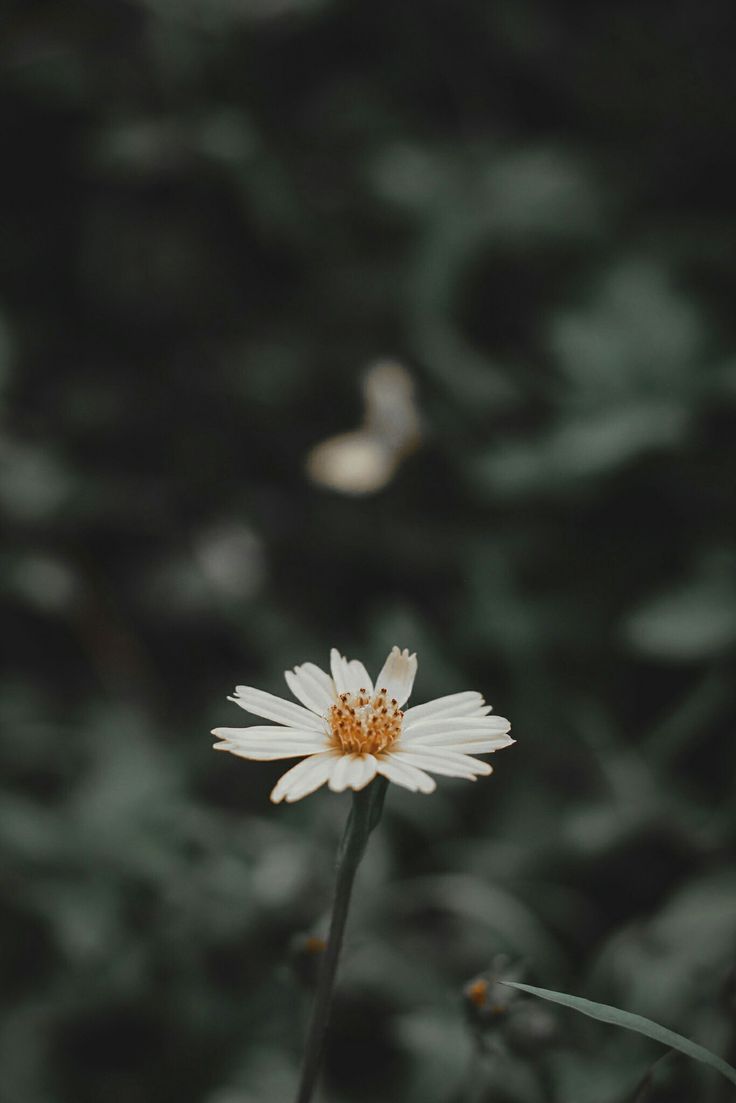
616 1017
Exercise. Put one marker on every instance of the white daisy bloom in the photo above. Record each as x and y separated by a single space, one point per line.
346 730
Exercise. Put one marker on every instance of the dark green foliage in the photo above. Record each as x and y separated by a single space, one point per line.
215 214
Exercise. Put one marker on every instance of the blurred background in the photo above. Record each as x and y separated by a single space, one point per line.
324 323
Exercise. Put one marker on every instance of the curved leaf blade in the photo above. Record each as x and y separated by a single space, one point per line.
616 1017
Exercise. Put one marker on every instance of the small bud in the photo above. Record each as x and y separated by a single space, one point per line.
305 955
486 999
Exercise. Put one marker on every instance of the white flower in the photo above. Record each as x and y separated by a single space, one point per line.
347 731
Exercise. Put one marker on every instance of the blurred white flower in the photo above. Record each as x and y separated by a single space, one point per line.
347 730
231 558
365 459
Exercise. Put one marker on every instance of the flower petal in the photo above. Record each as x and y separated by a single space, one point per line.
363 776
478 765
341 773
403 774
438 725
352 771
426 758
489 729
276 708
434 763
268 744
397 675
350 676
303 779
469 703
272 754
360 678
484 746
340 671
312 687
265 733
476 745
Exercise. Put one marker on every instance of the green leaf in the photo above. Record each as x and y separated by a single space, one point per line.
625 1019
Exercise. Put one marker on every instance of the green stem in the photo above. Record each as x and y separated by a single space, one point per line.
364 815
475 1080
643 1089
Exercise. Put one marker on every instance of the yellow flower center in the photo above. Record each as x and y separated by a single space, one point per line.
362 724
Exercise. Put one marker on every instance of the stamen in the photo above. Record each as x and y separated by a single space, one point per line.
361 725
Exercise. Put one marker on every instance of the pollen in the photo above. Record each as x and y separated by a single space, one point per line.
362 723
